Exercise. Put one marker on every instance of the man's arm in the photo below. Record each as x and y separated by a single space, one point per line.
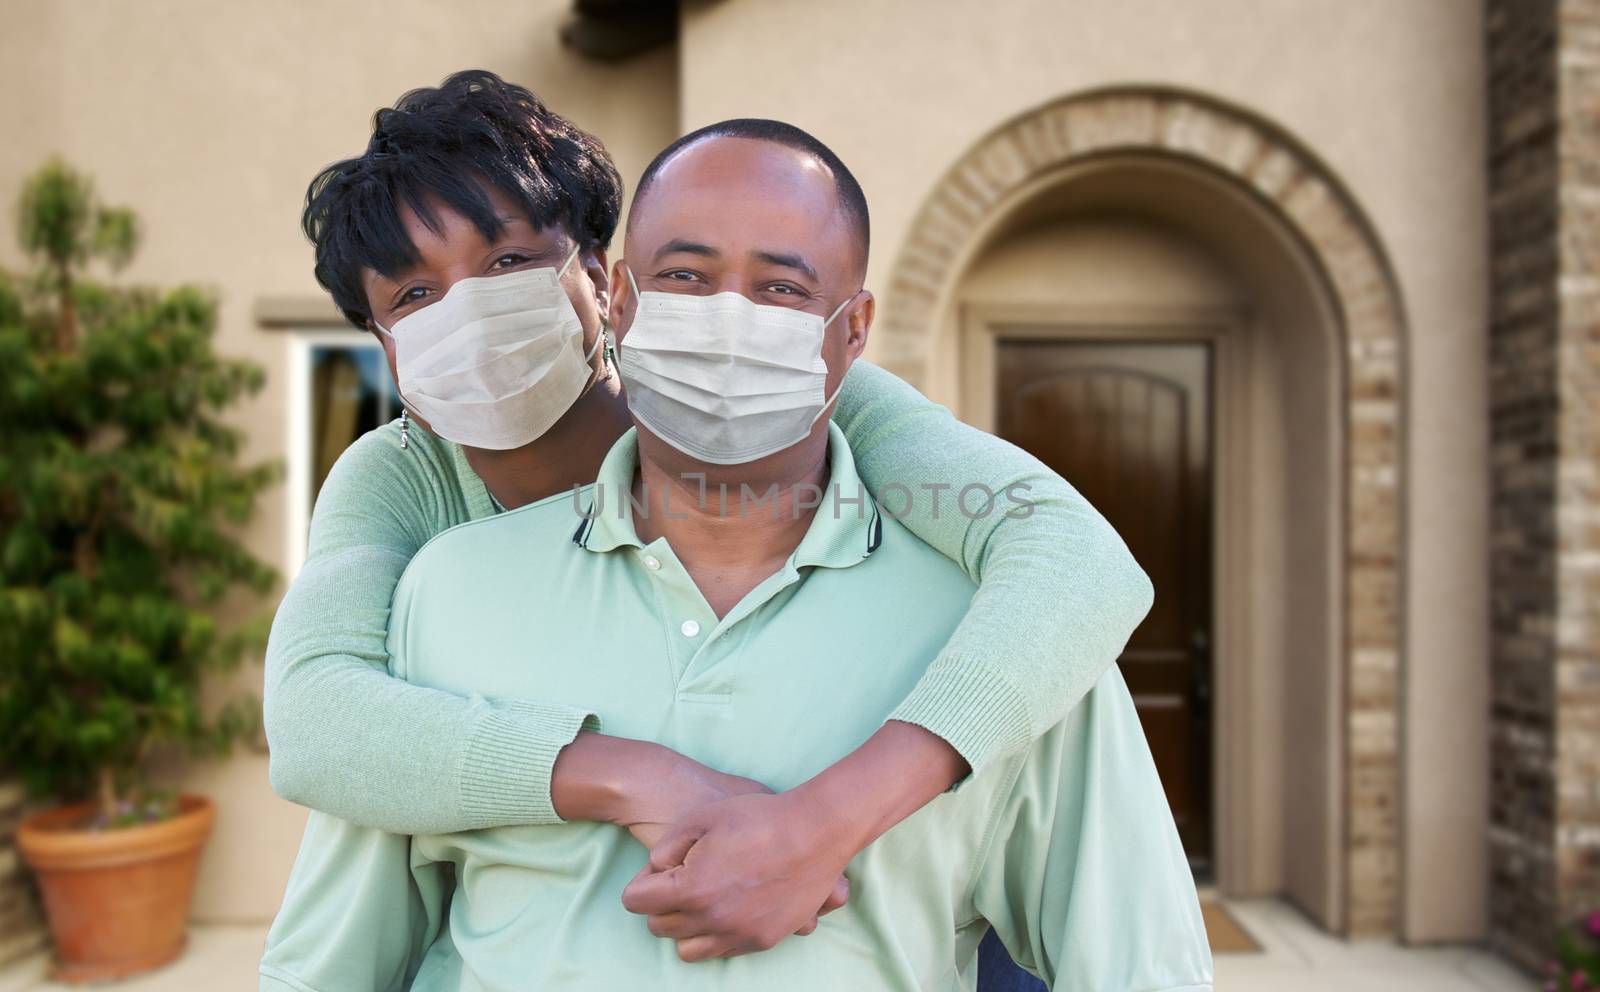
353 918
1086 881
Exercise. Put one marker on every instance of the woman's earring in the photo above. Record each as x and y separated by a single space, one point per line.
405 430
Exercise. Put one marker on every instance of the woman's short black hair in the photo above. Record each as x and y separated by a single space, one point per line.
444 142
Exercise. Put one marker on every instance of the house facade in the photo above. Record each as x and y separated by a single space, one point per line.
1301 295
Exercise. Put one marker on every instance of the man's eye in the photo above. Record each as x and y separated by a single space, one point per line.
412 295
508 260
788 294
679 275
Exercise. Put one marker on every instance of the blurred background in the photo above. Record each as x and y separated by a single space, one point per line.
1302 294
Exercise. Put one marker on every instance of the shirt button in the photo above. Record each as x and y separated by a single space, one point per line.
652 563
690 628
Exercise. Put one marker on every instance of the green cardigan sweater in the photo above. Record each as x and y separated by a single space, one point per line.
1058 596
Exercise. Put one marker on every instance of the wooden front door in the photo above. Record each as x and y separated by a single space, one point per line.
1129 426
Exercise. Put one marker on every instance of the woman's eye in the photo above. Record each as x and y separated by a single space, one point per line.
508 261
412 295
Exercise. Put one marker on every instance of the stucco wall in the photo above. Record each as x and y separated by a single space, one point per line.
210 119
1388 95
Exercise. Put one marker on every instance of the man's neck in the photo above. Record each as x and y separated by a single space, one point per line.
719 520
568 454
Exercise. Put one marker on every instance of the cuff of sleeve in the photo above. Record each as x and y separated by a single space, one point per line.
974 708
509 758
278 980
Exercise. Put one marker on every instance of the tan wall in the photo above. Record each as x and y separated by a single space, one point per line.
1388 95
210 119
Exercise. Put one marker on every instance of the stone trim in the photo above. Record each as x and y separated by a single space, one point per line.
1312 203
1543 59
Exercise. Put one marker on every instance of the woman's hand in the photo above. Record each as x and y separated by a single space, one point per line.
679 788
739 875
650 789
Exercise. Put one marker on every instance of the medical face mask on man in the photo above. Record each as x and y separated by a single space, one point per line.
496 361
721 378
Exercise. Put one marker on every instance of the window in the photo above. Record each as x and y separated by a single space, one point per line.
339 388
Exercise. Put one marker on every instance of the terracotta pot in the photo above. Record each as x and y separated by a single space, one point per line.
117 899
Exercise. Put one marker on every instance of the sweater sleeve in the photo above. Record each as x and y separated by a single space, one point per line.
346 737
1058 591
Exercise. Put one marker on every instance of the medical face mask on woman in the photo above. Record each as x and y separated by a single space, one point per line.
496 361
721 378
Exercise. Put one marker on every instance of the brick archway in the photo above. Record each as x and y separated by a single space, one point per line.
1309 202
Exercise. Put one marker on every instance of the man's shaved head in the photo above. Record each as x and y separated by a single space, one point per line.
762 219
851 200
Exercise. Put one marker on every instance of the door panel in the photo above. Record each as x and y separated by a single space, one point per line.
1129 426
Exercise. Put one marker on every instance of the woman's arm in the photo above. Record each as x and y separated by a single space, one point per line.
350 739
1058 591
346 737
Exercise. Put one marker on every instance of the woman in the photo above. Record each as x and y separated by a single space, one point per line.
477 178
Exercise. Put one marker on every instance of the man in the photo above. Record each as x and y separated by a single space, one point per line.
731 532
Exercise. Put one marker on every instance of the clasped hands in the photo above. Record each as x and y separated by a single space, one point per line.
734 867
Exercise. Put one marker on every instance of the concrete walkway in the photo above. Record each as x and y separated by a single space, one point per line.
1295 956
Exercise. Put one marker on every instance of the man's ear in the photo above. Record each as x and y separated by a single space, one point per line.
620 298
594 266
860 324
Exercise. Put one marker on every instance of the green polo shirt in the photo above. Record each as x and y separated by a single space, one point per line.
1067 848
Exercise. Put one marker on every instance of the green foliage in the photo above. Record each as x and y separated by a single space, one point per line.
120 487
55 216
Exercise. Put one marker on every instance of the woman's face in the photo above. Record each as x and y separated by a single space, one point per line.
458 250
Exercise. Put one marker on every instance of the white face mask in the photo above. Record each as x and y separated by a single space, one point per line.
721 378
496 361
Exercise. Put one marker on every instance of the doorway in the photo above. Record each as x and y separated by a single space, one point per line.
1130 424
1120 266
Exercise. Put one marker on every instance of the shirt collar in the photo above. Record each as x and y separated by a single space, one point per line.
845 529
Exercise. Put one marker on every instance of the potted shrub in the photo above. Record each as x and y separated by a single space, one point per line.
119 486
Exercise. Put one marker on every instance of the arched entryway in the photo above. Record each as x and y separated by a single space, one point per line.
1169 256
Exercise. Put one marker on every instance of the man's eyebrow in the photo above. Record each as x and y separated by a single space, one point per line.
788 261
685 245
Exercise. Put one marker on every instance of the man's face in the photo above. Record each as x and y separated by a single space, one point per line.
754 218
458 250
